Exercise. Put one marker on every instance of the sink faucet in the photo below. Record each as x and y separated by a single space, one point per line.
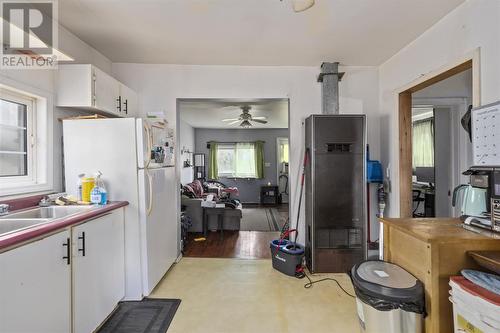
4 209
45 202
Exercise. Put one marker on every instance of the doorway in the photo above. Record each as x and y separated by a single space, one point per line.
434 147
244 143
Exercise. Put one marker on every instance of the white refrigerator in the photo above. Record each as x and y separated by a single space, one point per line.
121 148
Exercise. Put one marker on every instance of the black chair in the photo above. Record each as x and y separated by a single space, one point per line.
418 198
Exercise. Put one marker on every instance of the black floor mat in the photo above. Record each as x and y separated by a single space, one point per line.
152 315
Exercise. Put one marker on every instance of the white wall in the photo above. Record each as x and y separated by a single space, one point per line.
474 24
187 141
43 80
160 85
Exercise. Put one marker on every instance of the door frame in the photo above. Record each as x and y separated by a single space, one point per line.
278 141
469 61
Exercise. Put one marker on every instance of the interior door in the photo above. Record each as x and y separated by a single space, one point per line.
98 270
35 290
158 232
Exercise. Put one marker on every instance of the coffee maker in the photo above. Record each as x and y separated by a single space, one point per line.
486 180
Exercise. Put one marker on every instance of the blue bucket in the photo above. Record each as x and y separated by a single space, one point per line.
275 243
293 248
286 256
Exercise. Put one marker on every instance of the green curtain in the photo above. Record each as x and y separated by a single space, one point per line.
423 143
259 159
213 172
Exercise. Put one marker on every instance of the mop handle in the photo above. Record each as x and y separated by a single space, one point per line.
306 155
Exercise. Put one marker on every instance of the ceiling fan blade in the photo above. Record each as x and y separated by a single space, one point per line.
234 122
230 119
259 121
261 118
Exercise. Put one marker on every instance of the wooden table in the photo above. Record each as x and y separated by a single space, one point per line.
433 249
219 212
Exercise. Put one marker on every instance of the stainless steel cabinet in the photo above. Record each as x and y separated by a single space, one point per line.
335 192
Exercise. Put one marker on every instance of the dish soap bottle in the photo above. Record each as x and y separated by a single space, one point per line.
98 195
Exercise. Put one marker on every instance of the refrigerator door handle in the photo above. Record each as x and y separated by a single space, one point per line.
150 203
149 146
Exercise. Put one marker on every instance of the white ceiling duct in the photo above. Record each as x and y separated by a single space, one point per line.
301 5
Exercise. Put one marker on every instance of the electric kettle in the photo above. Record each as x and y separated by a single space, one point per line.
473 200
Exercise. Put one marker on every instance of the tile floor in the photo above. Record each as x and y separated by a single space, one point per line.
237 295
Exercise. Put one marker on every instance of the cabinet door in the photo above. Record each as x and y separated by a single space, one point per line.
129 101
106 92
74 86
35 291
98 270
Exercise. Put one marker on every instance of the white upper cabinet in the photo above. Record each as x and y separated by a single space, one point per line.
106 92
129 101
87 87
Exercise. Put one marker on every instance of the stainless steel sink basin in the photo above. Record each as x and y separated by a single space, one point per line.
53 212
8 226
25 219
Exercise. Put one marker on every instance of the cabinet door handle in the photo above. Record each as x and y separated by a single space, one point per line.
82 238
68 250
119 100
126 106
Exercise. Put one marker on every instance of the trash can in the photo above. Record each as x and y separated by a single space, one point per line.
388 298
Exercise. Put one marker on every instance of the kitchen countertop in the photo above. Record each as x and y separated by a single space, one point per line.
22 236
433 250
434 229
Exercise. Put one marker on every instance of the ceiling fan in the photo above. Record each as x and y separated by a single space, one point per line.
245 119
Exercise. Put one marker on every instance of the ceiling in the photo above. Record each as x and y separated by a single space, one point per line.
208 113
250 32
456 86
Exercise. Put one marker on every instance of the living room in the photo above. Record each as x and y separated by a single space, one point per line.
234 175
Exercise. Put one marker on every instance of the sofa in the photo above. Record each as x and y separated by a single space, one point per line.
193 209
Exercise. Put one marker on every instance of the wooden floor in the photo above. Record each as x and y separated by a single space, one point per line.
236 244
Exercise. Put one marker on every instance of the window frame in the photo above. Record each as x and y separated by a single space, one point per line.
233 147
30 104
40 178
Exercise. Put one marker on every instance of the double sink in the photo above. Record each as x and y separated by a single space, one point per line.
26 219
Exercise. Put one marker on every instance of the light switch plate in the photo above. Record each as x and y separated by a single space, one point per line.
267 164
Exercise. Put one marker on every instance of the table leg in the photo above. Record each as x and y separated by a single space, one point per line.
205 223
220 217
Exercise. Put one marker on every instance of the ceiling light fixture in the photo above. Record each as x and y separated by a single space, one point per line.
245 124
301 5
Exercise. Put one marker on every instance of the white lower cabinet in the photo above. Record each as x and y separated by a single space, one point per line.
67 282
35 286
98 270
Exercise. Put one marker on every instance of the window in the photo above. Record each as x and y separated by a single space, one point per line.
25 143
423 143
283 150
16 136
236 160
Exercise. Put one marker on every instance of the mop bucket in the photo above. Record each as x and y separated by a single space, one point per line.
286 256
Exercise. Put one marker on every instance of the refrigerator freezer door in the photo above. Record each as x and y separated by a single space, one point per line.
158 232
